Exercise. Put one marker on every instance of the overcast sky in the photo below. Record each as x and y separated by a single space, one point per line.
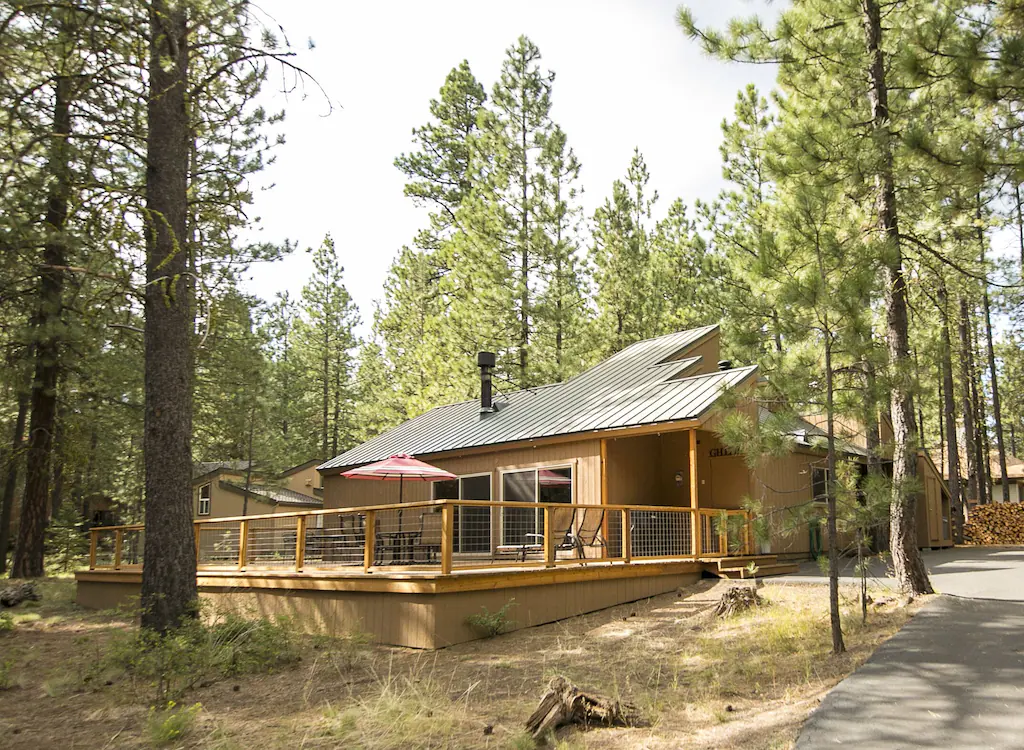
625 76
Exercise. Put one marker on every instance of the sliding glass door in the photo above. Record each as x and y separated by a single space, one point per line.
547 485
471 526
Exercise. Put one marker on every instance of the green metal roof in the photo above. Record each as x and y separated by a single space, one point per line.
643 384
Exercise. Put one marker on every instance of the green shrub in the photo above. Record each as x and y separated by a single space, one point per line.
166 725
7 679
6 623
197 652
489 624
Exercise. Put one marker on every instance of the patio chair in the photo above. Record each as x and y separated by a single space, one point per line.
429 539
590 532
561 518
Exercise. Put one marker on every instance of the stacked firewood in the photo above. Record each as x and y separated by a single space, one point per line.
998 523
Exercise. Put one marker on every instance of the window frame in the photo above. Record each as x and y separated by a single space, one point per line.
538 512
816 498
209 499
458 541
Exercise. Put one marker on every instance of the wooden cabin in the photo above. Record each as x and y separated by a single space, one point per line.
608 488
219 490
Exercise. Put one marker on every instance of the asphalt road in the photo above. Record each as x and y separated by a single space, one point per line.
952 678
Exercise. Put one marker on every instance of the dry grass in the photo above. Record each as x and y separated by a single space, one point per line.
702 682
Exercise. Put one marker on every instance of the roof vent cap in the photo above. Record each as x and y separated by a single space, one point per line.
725 364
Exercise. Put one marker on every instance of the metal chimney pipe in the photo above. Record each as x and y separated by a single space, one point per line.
485 361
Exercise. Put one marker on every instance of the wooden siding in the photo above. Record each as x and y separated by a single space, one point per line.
583 455
781 483
710 350
933 512
304 481
225 503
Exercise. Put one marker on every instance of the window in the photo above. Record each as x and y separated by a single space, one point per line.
547 485
819 484
471 526
204 500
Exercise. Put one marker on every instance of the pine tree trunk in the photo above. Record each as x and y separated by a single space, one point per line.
524 263
327 391
907 565
57 490
949 417
169 593
35 509
980 423
838 646
993 373
967 393
11 479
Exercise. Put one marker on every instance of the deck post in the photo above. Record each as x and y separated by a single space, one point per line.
196 528
697 526
447 536
93 539
300 543
627 536
549 547
118 541
243 543
371 536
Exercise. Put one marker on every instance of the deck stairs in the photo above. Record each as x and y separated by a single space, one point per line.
738 566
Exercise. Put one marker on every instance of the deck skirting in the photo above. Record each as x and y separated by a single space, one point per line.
410 610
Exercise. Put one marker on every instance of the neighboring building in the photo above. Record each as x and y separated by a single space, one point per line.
1014 478
218 490
625 432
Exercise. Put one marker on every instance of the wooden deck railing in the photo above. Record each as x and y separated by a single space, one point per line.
443 536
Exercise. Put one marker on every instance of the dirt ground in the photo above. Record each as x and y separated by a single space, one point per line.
747 681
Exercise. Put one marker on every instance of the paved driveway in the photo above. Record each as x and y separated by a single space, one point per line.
977 572
952 678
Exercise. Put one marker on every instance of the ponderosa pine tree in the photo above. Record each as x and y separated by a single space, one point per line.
736 224
621 254
834 76
562 313
169 569
326 343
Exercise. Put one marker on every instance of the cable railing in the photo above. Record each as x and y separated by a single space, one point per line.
444 536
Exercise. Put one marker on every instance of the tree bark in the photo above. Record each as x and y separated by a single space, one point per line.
838 646
907 565
992 372
967 393
11 481
48 331
949 417
169 570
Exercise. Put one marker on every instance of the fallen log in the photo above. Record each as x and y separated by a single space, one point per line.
14 595
564 703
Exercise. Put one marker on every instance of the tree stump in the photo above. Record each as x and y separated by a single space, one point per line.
14 595
564 703
737 599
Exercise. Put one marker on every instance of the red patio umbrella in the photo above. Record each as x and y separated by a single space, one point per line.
401 467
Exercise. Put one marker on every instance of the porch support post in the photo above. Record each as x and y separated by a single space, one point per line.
118 542
549 546
196 530
697 526
447 536
371 535
627 536
93 538
300 543
243 543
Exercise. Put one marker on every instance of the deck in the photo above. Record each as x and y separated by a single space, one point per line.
410 574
